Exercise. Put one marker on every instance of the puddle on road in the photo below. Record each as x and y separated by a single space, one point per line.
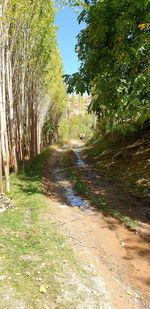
80 162
89 172
69 193
75 200
67 190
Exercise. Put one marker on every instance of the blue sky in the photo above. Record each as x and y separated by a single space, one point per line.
66 19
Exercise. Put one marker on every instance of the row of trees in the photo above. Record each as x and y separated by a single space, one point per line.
31 86
114 49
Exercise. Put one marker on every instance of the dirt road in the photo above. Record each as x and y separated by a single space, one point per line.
101 243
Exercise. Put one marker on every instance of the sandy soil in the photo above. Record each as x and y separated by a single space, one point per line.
117 255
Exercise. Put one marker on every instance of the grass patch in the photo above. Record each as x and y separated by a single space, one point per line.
31 249
99 202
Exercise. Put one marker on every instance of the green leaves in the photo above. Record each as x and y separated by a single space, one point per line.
114 52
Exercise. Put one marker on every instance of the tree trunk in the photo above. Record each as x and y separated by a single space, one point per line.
4 135
11 112
1 183
1 179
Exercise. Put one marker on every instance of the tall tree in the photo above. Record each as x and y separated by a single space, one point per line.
114 53
31 86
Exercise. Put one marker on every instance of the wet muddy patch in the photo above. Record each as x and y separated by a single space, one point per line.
80 162
66 188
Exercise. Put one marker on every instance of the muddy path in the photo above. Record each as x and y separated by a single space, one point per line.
117 255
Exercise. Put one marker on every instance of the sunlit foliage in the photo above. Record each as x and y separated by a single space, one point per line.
114 51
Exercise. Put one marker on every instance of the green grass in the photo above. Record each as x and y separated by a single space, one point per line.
99 202
31 249
37 268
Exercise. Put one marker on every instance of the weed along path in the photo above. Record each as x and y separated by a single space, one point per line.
115 259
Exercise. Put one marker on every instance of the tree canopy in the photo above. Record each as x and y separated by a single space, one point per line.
114 50
32 93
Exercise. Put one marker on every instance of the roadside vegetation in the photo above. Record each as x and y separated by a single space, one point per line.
126 161
113 50
76 119
32 250
32 93
38 268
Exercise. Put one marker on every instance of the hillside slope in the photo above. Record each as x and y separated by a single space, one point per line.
124 163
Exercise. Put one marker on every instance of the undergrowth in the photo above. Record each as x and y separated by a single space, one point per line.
31 249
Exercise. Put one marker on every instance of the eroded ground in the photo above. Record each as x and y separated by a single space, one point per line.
118 256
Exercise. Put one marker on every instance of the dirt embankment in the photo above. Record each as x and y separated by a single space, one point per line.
124 168
126 162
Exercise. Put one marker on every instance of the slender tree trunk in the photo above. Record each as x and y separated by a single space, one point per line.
4 135
1 179
11 111
32 140
23 107
33 122
38 137
1 183
35 132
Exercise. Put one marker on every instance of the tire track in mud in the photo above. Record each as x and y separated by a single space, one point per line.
106 253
